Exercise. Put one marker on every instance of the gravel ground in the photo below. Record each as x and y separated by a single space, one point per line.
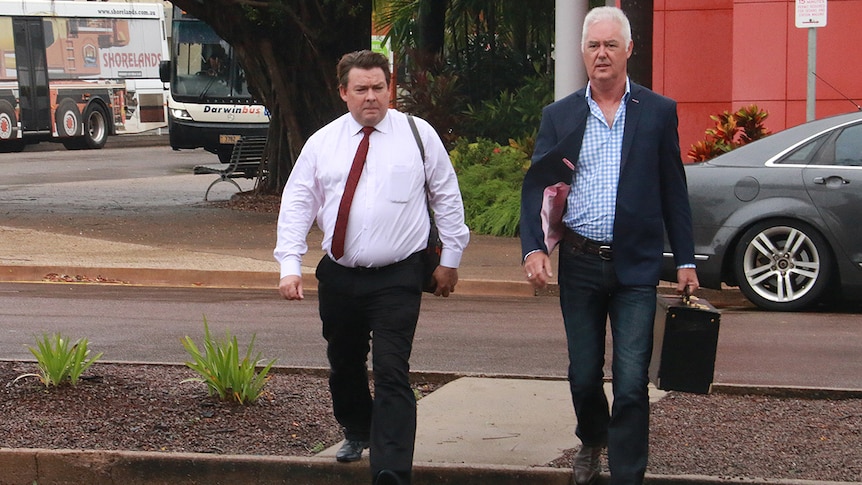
149 408
752 436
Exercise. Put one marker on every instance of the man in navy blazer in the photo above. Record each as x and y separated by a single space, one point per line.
617 144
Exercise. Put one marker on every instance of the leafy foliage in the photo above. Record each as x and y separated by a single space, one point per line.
490 177
436 98
58 363
731 130
220 368
514 114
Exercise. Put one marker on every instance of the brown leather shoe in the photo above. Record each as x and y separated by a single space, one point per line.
586 464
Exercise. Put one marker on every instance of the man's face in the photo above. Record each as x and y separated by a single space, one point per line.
366 95
605 52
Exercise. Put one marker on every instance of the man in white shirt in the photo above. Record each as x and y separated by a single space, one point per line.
370 281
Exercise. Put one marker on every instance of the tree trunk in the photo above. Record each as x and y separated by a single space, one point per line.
640 14
430 32
289 50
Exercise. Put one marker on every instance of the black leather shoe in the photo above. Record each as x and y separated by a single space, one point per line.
586 464
351 450
387 477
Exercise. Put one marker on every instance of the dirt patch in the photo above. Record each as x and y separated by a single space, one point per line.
148 408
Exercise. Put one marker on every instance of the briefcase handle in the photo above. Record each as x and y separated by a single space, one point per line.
686 295
690 300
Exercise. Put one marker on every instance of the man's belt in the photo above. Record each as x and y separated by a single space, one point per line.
581 244
376 269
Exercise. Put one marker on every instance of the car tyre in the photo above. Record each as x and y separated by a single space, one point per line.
783 265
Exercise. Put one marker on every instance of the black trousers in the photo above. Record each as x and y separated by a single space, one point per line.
380 307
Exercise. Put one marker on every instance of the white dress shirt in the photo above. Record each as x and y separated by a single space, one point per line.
388 218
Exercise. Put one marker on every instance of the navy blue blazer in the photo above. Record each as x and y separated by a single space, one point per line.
652 195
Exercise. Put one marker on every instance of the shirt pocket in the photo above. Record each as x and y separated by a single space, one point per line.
400 183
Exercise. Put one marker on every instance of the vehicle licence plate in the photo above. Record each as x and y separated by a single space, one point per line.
228 139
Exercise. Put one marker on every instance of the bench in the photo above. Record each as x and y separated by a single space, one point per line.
245 160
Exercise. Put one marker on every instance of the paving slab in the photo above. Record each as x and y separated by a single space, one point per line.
496 421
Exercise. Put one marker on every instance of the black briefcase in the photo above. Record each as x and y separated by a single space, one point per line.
684 344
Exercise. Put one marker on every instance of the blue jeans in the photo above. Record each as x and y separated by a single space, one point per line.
589 295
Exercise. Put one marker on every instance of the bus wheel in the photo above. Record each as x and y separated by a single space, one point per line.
95 127
68 119
8 123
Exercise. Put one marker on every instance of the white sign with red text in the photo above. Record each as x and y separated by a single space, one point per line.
810 13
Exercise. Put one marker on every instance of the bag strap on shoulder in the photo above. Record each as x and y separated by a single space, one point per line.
418 138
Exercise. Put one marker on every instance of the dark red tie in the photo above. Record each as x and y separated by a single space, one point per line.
347 197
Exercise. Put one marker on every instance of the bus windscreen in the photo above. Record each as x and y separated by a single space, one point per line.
205 67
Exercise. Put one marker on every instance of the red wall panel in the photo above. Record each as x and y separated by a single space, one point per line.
719 55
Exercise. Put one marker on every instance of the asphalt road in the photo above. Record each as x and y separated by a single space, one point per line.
118 194
519 336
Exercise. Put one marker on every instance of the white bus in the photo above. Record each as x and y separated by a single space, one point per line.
209 105
77 72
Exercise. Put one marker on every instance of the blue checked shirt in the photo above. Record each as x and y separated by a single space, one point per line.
592 200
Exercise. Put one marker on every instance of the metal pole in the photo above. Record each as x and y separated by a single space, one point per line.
811 94
569 73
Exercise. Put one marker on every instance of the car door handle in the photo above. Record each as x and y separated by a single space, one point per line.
831 180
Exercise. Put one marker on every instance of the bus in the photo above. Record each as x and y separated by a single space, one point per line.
78 72
210 105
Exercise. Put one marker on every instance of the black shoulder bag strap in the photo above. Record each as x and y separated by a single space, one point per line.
432 252
421 152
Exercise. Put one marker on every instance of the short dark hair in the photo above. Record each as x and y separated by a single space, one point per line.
364 59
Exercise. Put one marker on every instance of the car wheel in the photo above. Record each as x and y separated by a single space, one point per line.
95 127
782 265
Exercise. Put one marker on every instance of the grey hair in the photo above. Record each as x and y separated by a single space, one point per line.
600 14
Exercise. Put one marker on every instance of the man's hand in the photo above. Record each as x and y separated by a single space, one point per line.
290 287
537 268
686 277
446 279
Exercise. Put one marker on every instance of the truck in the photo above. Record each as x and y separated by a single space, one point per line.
79 72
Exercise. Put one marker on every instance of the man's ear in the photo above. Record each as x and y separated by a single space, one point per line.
630 49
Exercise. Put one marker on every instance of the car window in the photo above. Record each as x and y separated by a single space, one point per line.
801 154
848 147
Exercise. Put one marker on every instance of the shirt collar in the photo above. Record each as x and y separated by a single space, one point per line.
385 125
626 95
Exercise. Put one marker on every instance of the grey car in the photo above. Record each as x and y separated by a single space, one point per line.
781 218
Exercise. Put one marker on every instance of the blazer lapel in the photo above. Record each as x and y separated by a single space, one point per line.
570 145
633 115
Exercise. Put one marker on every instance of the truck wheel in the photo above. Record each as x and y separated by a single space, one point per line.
8 122
68 119
95 127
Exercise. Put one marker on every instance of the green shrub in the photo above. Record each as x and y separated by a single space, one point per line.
490 176
58 363
512 114
221 369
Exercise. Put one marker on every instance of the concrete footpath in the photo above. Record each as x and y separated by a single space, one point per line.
473 430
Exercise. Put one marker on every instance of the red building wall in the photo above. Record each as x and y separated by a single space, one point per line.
719 55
